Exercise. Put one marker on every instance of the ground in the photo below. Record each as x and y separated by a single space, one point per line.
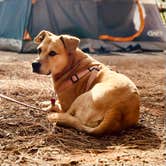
26 137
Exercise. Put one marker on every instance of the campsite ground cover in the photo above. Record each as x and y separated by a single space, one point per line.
26 137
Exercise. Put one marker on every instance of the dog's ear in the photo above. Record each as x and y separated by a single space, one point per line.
41 36
70 42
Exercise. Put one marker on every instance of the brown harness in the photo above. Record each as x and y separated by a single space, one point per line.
77 76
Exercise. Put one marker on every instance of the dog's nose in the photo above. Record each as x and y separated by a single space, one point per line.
36 67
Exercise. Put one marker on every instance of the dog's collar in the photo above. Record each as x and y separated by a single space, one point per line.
77 76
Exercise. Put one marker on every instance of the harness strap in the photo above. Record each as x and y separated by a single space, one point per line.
77 76
91 79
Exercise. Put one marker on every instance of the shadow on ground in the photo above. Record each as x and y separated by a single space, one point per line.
139 137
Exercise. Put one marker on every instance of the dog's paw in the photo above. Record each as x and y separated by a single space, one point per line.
52 109
52 117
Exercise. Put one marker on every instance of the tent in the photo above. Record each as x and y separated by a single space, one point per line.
103 25
14 17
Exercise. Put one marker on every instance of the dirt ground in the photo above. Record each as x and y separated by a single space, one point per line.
26 137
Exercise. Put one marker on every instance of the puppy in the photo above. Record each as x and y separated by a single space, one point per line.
90 97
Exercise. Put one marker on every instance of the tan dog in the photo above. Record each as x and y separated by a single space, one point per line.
91 97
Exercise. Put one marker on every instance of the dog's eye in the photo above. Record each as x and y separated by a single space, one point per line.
39 50
52 53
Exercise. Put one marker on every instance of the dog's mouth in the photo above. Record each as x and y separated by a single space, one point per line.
36 68
48 73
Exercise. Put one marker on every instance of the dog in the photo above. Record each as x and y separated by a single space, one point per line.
90 97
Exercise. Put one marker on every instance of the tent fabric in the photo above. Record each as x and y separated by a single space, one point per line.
9 44
89 19
14 17
103 47
65 16
83 18
86 19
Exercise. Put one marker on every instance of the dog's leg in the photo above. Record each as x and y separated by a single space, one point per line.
67 120
110 124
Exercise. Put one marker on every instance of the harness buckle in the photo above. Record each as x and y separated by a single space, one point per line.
74 78
93 68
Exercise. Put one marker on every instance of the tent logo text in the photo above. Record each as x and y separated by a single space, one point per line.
155 33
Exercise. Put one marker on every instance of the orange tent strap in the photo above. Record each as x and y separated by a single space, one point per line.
132 37
27 36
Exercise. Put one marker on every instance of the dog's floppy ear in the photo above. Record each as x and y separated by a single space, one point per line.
70 42
41 36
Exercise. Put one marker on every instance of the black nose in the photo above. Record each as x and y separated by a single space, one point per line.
36 67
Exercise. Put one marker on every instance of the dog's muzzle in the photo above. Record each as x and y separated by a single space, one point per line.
36 67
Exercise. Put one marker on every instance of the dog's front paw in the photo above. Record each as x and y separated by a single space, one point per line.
51 108
52 117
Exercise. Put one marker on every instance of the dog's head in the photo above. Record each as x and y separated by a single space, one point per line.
53 52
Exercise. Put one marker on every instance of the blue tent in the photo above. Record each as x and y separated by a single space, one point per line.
86 19
14 18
